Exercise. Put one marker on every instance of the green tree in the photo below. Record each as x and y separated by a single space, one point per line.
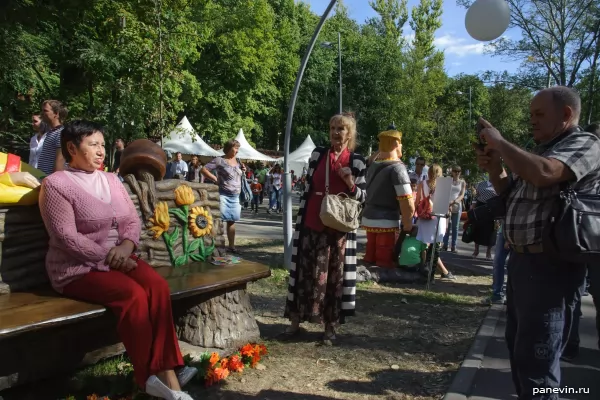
236 68
425 78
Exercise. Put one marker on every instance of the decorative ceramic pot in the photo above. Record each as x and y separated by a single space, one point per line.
143 155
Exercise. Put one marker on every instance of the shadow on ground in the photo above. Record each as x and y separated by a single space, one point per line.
274 395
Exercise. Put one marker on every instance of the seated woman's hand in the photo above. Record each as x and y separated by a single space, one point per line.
118 257
130 265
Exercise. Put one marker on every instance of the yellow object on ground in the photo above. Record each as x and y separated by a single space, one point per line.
10 194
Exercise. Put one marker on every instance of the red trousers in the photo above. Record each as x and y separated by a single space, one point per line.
141 300
380 249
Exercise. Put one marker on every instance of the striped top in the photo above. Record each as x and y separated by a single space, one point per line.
47 158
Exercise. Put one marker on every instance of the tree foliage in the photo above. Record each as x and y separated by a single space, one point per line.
231 64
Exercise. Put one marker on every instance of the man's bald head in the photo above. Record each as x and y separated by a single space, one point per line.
553 111
564 97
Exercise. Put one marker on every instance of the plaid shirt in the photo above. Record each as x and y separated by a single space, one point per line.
528 207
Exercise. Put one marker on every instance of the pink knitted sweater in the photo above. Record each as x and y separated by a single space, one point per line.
78 224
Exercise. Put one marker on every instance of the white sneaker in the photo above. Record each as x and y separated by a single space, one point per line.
154 387
186 374
182 396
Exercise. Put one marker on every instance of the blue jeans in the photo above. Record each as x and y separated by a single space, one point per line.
275 199
593 276
499 266
454 221
541 294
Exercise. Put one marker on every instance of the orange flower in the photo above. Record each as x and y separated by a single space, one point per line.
215 375
210 377
262 350
92 397
235 364
225 363
221 374
255 360
214 359
247 350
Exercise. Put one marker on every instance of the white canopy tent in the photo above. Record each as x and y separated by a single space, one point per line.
300 157
247 152
185 140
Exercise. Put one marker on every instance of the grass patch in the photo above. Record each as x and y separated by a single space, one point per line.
120 365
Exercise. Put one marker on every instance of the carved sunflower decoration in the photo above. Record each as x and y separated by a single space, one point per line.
200 222
161 220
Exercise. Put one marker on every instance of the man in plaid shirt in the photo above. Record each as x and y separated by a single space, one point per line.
541 291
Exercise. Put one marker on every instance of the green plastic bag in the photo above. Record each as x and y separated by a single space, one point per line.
411 252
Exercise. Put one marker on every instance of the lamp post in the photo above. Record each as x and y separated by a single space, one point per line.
470 103
287 189
329 45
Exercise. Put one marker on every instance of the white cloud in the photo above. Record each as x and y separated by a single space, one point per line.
453 45
458 46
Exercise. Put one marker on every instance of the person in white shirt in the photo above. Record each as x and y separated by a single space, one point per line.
420 172
37 141
179 167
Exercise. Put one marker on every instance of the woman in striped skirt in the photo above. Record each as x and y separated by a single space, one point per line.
322 283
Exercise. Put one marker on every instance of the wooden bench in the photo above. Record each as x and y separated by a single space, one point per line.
73 333
42 333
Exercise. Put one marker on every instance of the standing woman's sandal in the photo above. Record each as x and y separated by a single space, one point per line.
329 337
293 329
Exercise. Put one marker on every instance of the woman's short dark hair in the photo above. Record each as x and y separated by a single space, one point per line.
74 132
230 144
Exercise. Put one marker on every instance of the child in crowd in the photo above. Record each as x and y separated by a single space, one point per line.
256 190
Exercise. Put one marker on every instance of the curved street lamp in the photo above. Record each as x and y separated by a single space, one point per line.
287 189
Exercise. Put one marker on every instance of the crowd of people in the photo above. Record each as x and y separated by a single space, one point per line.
94 231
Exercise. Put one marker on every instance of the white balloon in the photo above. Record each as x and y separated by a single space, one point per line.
487 19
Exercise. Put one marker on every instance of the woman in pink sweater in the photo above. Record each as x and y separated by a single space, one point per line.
94 229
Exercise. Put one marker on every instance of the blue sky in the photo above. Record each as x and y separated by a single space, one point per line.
463 54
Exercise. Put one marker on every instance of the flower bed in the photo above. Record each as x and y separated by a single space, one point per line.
211 367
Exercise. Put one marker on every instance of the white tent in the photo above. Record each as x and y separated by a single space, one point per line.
248 152
185 140
299 158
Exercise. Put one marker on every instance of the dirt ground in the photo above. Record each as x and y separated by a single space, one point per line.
403 344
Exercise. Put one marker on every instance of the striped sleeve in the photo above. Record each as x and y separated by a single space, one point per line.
359 171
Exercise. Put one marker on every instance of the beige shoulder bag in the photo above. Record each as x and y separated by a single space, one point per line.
339 211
